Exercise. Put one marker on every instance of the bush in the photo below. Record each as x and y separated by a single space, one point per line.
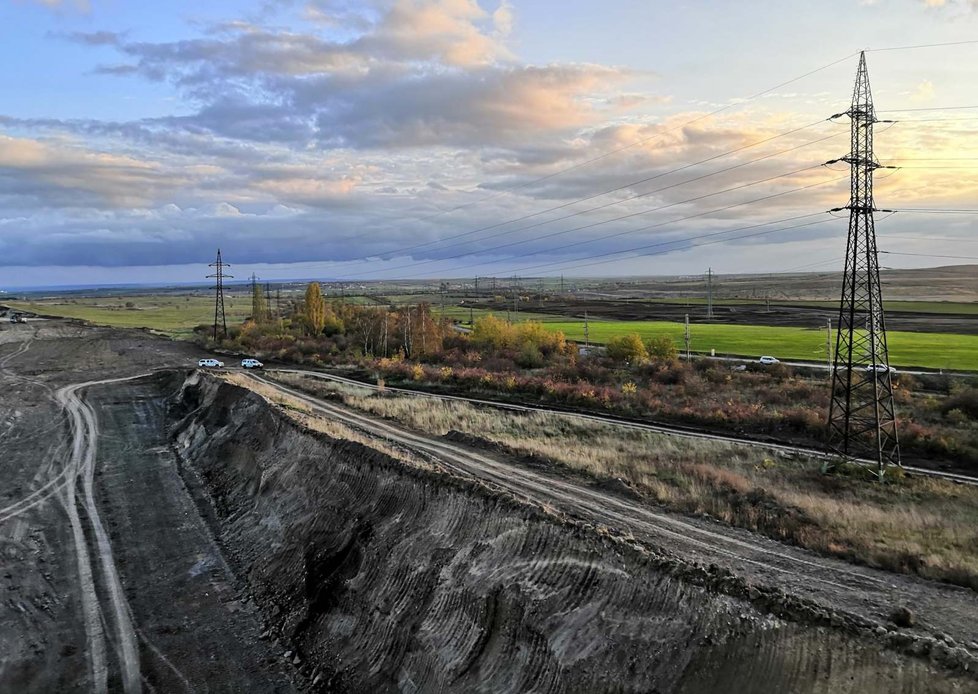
627 349
530 357
965 401
661 348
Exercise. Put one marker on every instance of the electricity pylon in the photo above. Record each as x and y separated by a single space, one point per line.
862 420
220 319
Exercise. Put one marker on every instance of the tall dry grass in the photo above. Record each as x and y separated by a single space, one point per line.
912 525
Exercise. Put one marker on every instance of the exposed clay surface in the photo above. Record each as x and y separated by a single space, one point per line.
170 535
110 579
385 577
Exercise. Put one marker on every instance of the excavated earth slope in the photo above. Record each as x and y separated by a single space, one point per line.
379 575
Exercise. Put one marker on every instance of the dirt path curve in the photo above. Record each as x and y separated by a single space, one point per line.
836 585
685 432
81 465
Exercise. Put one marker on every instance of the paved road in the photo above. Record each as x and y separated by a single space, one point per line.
868 593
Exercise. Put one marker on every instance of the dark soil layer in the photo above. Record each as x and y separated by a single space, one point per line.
380 576
798 315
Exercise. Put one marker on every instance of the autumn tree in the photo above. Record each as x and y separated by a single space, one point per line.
259 305
627 349
492 333
314 309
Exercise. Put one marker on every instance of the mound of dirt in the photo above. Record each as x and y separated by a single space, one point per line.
377 576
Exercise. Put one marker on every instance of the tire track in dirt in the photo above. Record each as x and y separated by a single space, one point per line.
84 426
571 496
867 593
684 432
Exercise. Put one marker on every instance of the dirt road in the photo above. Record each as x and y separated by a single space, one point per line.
867 595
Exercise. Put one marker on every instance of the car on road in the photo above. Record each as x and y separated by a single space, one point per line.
880 368
252 364
768 360
211 363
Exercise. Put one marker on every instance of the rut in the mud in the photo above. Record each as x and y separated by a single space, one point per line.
381 577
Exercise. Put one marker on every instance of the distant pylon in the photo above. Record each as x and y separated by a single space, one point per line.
862 419
220 319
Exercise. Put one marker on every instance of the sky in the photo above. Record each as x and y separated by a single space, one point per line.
455 138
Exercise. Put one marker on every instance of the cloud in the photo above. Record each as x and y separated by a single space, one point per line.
65 174
79 5
423 73
331 131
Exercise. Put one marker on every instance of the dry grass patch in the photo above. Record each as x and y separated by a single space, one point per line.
912 525
302 414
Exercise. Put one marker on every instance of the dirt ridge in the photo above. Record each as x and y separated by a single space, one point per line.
379 576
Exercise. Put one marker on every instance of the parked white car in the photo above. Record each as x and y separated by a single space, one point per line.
768 360
211 363
252 364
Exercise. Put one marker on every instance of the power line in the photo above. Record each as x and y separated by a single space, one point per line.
928 108
932 255
622 217
604 206
681 219
927 210
574 264
623 187
737 102
922 45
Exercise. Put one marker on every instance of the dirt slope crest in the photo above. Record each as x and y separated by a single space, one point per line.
381 576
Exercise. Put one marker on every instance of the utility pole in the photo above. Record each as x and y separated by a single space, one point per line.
587 336
828 344
268 301
686 337
220 319
862 417
257 299
516 297
709 293
561 284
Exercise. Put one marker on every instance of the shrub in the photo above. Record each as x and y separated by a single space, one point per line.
964 400
530 357
627 349
661 348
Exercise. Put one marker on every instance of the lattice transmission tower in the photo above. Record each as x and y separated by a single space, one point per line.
862 420
220 319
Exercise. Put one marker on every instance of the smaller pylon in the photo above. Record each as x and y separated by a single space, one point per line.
220 318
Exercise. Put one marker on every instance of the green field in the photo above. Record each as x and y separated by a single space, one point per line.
177 315
174 315
928 350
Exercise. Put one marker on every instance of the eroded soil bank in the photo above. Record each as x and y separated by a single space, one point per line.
380 575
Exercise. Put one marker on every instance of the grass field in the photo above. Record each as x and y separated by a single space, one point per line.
929 350
175 315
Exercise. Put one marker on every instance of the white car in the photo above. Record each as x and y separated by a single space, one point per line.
880 368
212 363
252 364
768 360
